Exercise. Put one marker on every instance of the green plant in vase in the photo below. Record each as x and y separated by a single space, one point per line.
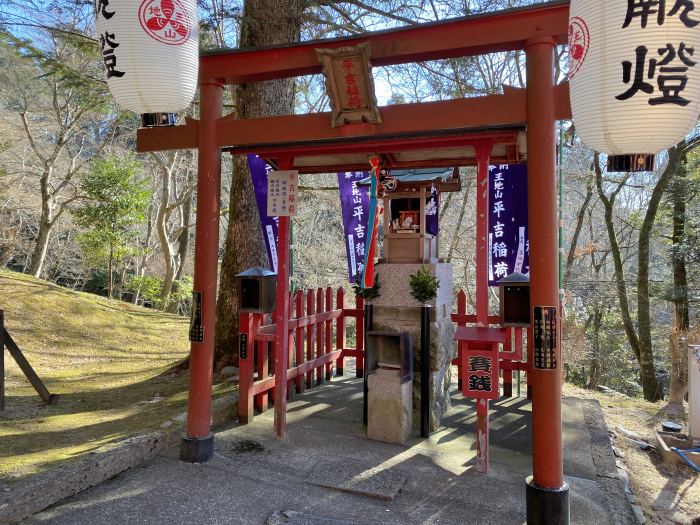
424 287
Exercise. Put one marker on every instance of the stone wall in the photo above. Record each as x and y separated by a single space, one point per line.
395 310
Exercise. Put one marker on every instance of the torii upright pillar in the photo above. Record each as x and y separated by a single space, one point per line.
198 445
547 493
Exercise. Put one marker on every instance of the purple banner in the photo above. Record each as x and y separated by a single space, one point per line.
508 237
354 201
258 172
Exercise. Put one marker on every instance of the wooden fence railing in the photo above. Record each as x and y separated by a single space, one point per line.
312 352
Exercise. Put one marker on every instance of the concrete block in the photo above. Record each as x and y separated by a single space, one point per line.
389 407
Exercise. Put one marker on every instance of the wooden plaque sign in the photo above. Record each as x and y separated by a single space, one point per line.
282 189
544 320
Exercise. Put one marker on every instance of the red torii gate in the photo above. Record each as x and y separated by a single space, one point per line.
480 122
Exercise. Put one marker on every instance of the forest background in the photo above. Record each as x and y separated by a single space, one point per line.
79 208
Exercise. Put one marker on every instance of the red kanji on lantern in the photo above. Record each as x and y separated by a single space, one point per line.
166 21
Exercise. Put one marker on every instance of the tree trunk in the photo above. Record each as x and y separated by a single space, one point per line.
110 271
580 217
595 369
640 340
166 246
653 390
183 243
679 336
42 241
264 23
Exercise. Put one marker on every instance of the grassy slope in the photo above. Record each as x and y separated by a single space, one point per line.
102 357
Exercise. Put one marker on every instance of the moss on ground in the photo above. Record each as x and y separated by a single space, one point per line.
106 359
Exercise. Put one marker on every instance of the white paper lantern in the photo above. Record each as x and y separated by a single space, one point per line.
150 50
634 69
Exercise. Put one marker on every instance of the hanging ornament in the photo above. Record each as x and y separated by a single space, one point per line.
634 76
367 277
150 49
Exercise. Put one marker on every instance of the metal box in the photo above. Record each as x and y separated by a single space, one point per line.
514 294
257 291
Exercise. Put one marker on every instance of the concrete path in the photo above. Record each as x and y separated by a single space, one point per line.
326 472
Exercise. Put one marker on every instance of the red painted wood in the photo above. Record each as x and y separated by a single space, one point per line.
482 435
281 319
319 335
353 352
291 354
471 318
547 454
340 335
329 332
310 330
514 365
299 312
483 152
472 35
262 400
245 367
206 260
480 334
316 363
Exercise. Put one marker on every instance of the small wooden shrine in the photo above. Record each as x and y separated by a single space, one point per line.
411 212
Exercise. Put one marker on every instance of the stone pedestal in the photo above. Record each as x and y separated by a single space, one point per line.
396 310
388 406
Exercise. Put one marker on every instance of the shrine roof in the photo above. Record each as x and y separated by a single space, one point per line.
418 176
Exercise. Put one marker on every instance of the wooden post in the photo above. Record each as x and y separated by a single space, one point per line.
27 369
340 339
547 494
483 152
329 332
360 337
2 360
249 324
482 435
320 379
461 310
425 371
421 221
508 373
282 328
198 444
299 305
262 399
310 310
291 353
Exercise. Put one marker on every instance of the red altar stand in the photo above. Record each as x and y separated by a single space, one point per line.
478 355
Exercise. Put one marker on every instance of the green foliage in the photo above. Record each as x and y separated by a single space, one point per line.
114 202
424 287
368 294
149 287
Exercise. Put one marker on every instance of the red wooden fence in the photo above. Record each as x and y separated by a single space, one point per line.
311 347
